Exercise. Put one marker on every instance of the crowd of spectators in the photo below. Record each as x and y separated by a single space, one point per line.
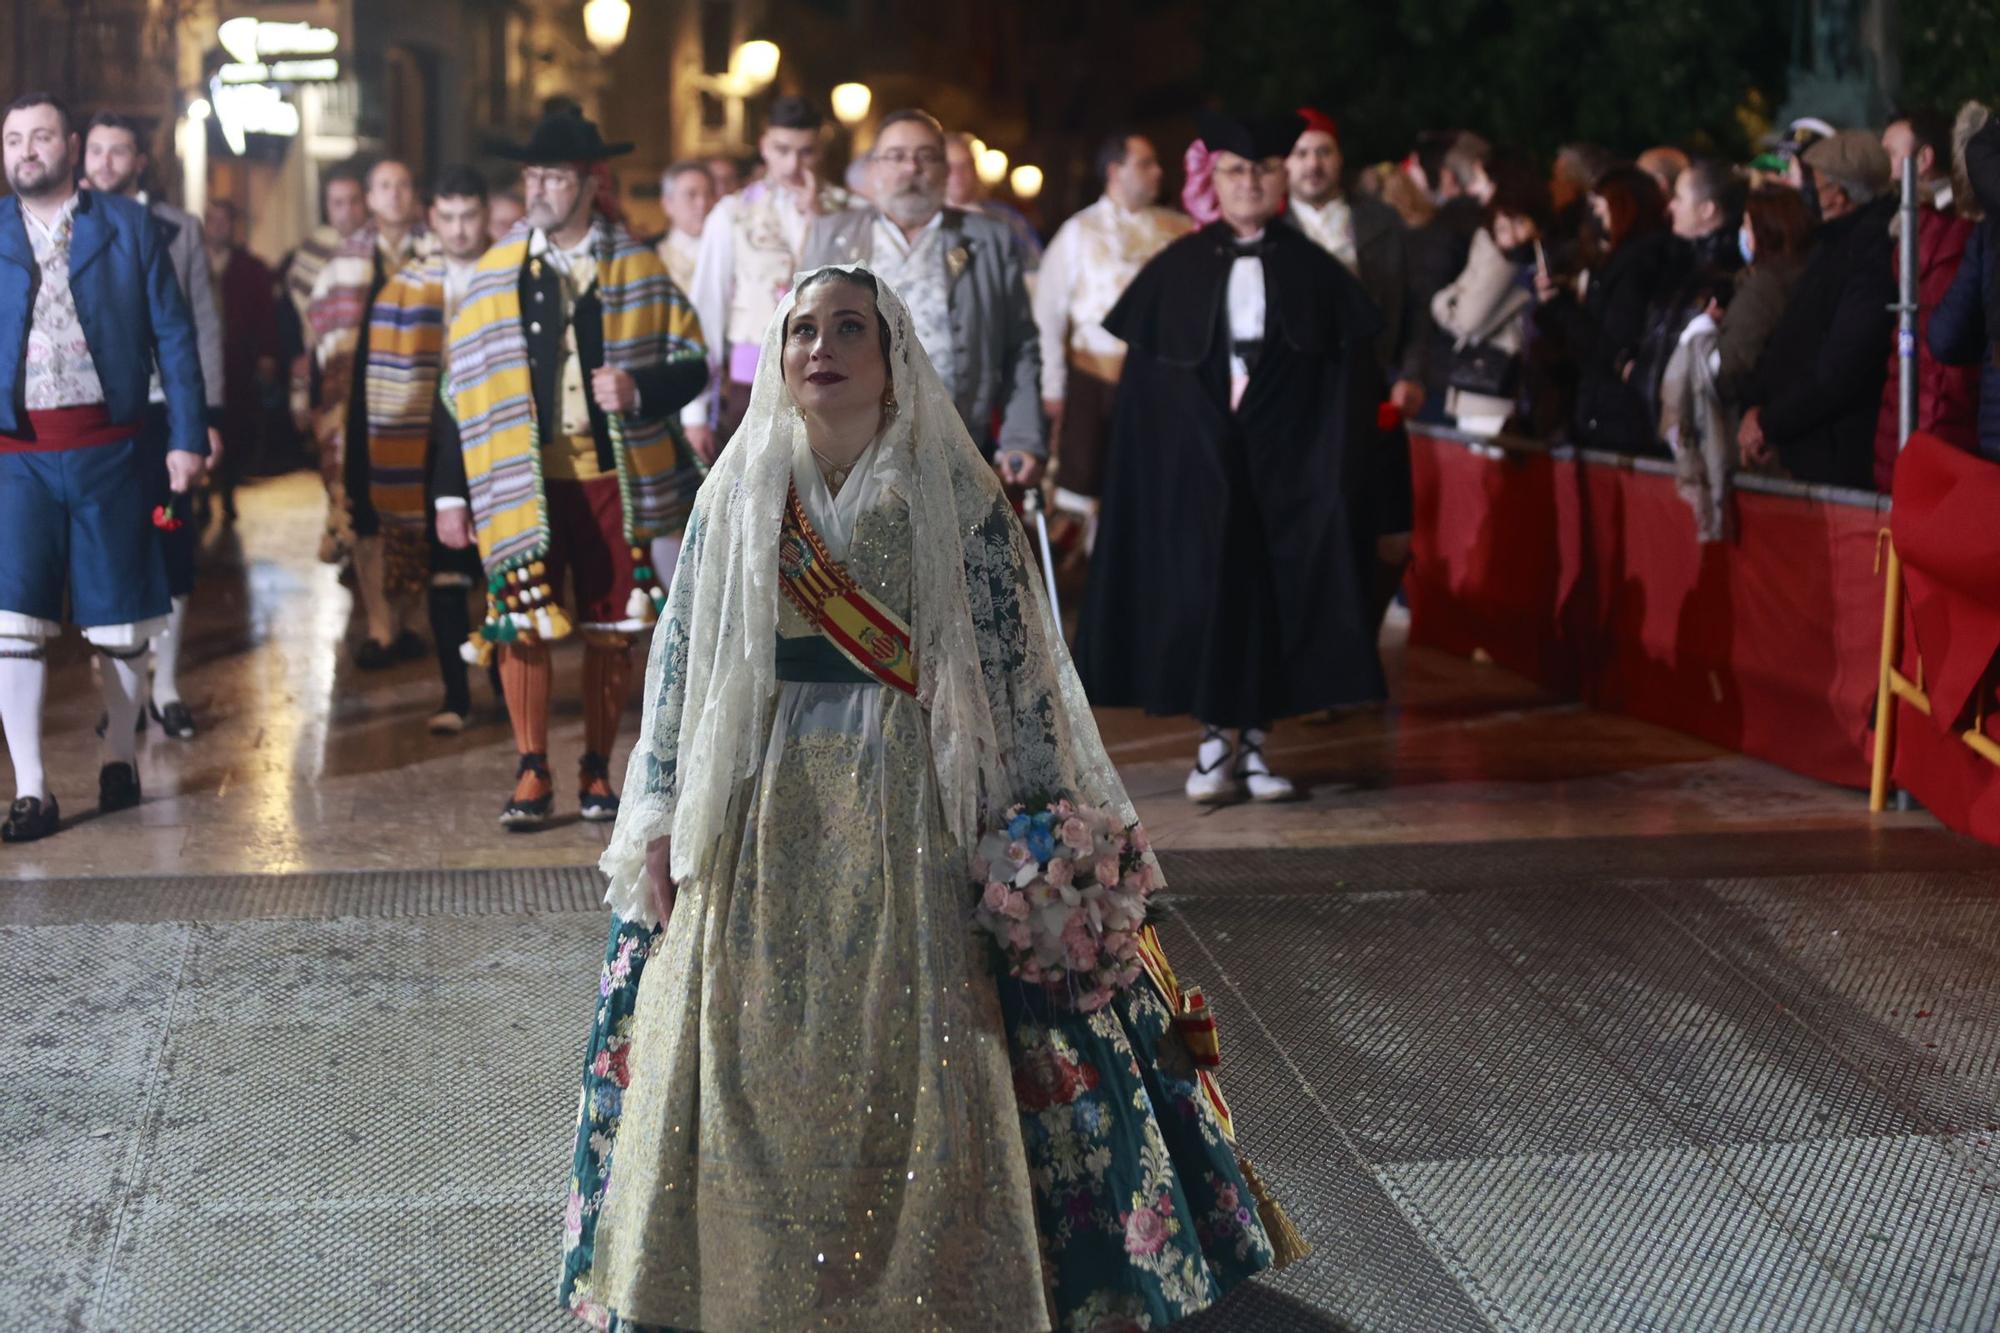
1562 294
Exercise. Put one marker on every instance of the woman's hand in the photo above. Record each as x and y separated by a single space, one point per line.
659 880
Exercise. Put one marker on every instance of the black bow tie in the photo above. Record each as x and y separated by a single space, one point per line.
1256 249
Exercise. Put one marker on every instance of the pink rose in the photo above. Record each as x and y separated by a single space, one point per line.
1016 907
1140 842
1019 936
1107 870
1017 852
996 897
1079 945
1076 834
1062 872
1145 1232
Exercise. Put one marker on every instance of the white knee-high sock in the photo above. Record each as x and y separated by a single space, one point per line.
122 681
167 656
370 571
24 683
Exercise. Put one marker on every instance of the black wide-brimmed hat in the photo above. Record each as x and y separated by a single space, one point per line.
563 136
1252 137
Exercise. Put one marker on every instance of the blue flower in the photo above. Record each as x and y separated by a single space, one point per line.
1017 827
1045 819
1041 844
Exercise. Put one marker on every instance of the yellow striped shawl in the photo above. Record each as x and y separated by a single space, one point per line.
647 322
405 359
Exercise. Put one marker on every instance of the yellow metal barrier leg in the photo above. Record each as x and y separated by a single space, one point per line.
1885 698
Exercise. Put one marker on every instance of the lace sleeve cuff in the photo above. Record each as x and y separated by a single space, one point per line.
641 819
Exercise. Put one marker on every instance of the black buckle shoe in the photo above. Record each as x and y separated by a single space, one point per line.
117 788
524 816
175 720
596 807
373 656
30 818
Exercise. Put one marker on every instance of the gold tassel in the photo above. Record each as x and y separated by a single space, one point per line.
1288 1246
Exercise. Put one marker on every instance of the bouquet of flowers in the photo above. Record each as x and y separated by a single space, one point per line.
1063 890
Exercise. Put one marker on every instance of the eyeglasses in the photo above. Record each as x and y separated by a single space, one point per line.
1241 171
903 157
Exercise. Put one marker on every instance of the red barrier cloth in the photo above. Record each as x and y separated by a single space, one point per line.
1587 578
1950 548
1946 501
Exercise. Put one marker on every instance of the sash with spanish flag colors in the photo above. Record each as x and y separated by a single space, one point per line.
867 633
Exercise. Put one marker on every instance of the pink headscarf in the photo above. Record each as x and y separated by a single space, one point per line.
1198 195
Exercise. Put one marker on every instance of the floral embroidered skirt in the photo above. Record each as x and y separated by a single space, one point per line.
1143 1214
855 1125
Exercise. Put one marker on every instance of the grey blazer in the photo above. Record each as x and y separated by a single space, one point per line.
994 342
189 258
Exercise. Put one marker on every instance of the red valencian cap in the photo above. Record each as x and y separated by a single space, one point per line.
1316 119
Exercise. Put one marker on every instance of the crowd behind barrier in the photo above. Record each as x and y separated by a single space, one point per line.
1581 570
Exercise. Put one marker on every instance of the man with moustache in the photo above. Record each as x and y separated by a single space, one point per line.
1092 259
91 307
1226 582
1368 239
568 363
337 319
114 163
960 274
750 248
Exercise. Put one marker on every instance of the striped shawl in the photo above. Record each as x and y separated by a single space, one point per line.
334 317
647 322
405 360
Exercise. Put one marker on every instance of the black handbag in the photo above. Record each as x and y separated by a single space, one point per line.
1482 368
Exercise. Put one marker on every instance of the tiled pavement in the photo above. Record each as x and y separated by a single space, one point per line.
1498 1092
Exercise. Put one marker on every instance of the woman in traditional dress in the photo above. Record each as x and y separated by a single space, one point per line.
811 1098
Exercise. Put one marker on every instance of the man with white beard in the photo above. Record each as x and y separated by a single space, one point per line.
960 274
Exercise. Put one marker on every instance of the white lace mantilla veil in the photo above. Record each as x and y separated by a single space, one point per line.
1008 720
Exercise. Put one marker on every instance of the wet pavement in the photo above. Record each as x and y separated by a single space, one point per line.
1538 1018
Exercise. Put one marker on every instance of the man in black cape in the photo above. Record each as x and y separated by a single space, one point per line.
1249 475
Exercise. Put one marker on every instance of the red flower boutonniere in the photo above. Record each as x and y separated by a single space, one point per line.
1388 416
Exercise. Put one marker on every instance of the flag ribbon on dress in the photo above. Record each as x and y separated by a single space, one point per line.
1196 1025
867 633
1192 1019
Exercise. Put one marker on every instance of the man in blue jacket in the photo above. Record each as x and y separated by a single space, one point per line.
88 306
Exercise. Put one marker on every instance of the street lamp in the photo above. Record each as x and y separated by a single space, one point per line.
753 65
991 164
605 22
1027 181
851 102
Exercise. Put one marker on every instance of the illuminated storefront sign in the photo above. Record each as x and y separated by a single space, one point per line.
246 91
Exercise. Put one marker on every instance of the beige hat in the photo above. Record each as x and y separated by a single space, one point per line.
1852 157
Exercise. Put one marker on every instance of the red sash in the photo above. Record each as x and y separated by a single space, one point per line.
867 633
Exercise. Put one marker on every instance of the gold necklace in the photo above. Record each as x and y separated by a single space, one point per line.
835 477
